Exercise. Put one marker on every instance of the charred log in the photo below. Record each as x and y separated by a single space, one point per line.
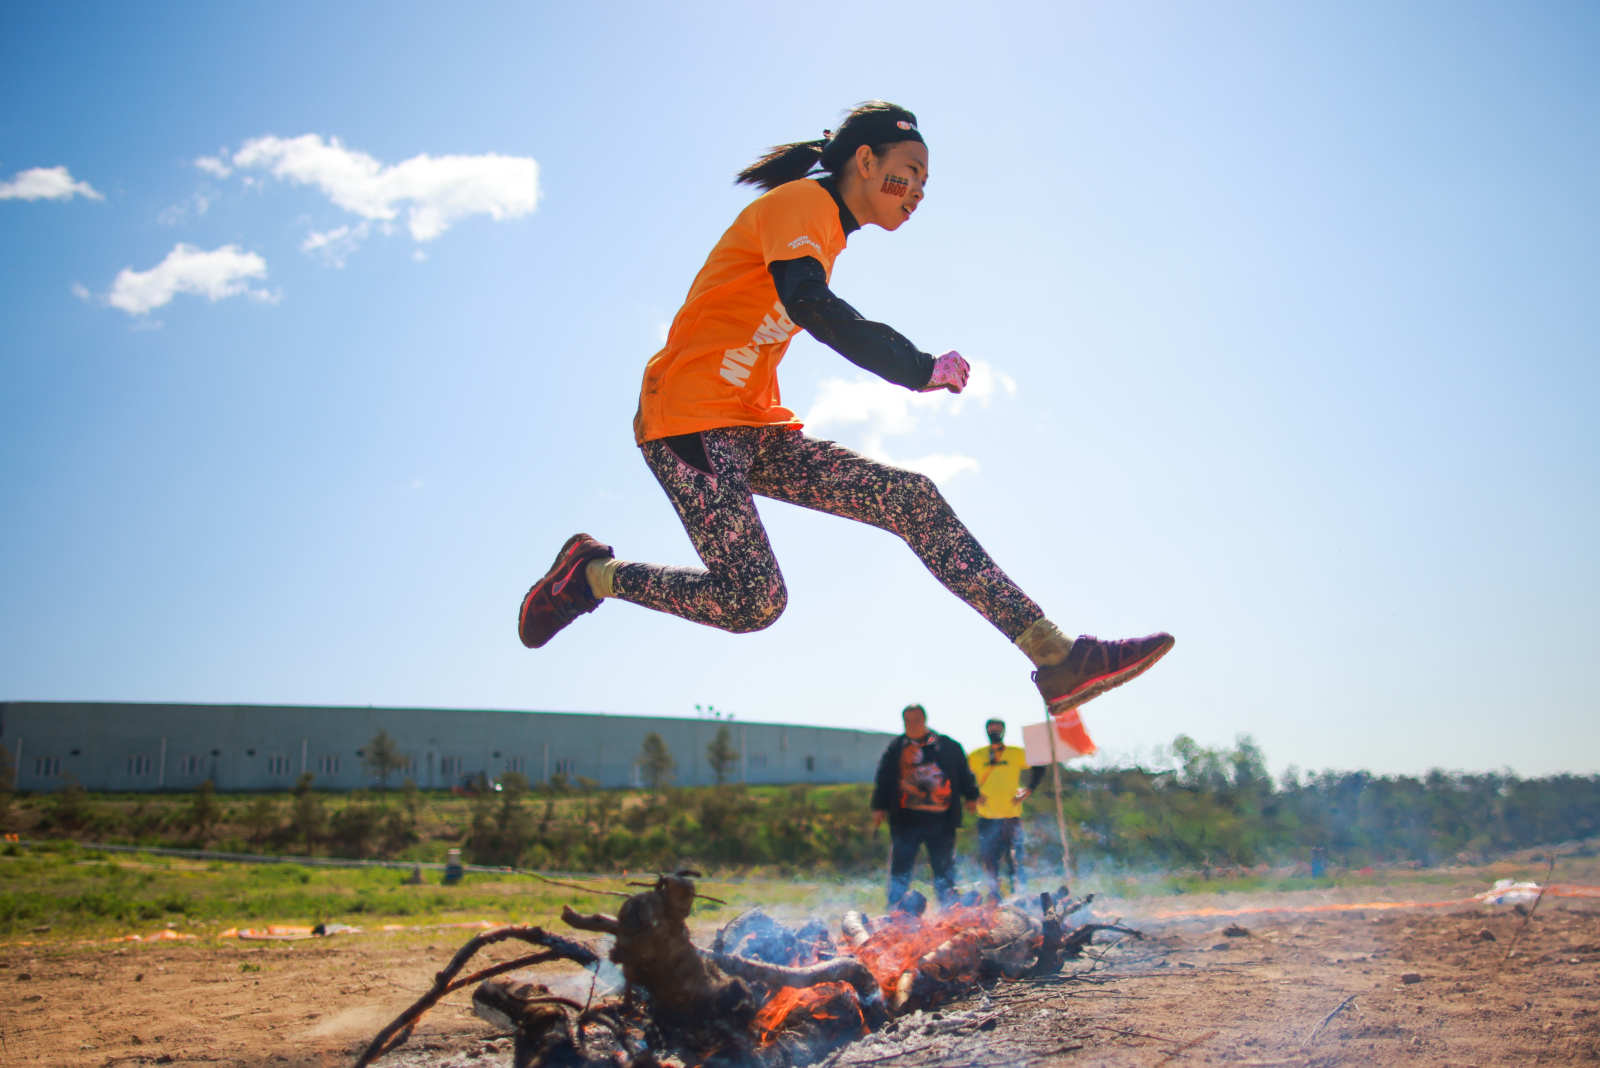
694 1003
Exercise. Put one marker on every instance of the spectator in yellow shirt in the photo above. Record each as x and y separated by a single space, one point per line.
998 769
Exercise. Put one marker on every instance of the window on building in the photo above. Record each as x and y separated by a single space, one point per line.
192 765
758 760
811 763
450 766
277 765
517 764
328 764
140 765
47 765
564 766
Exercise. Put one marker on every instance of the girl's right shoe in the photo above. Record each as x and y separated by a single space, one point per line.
1093 666
563 594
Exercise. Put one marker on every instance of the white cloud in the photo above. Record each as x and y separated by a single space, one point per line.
46 183
434 191
884 410
213 166
335 246
214 275
81 291
939 466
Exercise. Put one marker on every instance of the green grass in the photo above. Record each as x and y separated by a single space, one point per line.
65 891
60 891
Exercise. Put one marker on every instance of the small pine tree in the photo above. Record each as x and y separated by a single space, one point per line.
307 817
71 804
383 758
204 812
655 762
723 755
260 818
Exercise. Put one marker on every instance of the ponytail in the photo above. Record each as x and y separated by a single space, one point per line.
782 163
874 123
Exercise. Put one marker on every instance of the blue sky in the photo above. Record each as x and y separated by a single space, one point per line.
324 326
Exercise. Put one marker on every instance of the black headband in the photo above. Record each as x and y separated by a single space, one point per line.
870 128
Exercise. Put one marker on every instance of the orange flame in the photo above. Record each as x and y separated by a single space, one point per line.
824 1001
891 952
888 954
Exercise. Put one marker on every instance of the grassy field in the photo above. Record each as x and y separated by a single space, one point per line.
809 846
62 890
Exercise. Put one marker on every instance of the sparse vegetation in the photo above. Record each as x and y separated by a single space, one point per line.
1208 814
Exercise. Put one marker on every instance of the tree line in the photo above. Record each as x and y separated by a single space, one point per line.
1199 809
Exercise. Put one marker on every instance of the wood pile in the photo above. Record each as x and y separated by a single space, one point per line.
763 996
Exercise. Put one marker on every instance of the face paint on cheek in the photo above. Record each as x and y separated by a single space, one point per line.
895 186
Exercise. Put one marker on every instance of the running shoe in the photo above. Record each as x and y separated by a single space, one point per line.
1093 666
563 594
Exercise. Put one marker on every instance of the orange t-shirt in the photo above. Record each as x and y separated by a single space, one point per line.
720 363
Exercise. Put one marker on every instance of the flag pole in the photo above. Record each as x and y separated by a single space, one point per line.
1061 819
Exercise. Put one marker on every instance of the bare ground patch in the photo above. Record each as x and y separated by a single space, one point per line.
1416 986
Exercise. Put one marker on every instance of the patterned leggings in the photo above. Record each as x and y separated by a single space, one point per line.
741 588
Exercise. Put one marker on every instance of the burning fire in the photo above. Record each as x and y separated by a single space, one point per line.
897 948
826 1002
904 950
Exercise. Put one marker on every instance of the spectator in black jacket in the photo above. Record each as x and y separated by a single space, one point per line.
922 781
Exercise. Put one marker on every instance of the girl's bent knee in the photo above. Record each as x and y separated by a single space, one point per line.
760 613
917 498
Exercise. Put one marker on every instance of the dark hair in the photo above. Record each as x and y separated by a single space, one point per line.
876 123
915 708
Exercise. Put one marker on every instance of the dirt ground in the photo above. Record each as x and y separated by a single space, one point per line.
1314 981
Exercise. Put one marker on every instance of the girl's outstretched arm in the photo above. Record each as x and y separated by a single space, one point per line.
803 288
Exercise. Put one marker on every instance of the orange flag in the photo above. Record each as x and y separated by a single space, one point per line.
1070 732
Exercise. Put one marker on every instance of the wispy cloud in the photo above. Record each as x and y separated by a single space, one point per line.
335 246
214 166
433 191
883 410
215 275
46 183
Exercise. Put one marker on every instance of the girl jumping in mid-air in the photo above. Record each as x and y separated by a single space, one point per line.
712 428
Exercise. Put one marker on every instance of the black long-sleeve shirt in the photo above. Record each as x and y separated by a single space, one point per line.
952 762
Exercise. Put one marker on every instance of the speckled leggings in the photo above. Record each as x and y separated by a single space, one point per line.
741 588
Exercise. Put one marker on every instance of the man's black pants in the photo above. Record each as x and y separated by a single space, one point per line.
904 840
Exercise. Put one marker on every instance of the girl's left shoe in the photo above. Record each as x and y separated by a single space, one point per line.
1093 666
563 594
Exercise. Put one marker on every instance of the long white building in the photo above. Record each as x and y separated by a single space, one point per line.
108 746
